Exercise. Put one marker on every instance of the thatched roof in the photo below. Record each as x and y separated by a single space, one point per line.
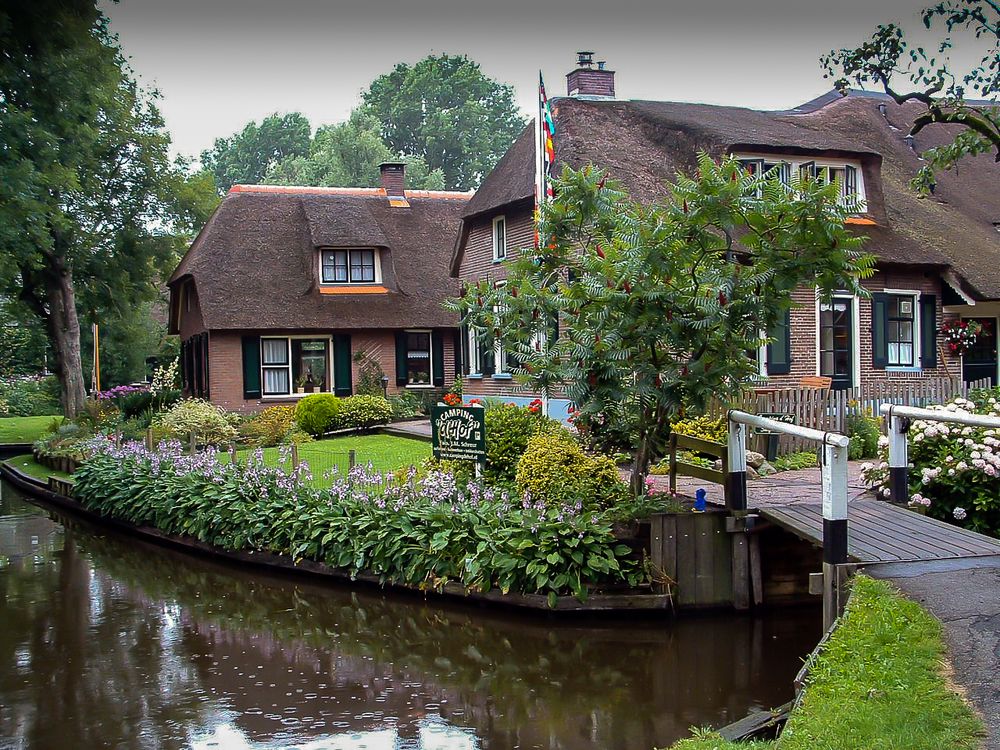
644 144
255 262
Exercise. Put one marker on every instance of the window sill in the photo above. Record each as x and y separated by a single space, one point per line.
351 289
502 376
418 386
290 396
498 261
902 368
474 376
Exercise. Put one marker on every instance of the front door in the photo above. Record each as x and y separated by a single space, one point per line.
980 361
836 342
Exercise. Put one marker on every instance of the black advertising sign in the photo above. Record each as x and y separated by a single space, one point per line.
459 433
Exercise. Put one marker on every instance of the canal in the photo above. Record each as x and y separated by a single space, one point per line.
110 643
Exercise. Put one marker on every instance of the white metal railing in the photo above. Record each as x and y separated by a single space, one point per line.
834 478
898 419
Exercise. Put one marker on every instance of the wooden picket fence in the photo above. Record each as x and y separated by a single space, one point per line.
823 409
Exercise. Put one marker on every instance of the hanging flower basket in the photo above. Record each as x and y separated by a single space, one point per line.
960 335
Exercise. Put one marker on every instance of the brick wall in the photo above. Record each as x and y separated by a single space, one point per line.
226 364
477 260
803 334
191 322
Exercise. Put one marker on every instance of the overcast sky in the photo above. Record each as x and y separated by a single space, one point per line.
221 63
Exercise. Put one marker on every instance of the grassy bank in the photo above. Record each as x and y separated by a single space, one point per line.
27 465
383 452
878 685
24 429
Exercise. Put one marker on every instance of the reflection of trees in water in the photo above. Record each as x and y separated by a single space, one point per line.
80 667
515 682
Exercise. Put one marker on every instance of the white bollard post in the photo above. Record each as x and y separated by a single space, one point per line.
899 491
736 479
835 532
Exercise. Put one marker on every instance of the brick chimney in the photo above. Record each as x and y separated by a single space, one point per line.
393 178
590 80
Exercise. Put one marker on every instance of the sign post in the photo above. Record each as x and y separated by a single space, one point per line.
459 433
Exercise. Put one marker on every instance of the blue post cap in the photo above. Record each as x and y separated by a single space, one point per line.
699 500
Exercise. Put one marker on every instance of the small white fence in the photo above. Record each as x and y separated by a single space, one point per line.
834 478
830 411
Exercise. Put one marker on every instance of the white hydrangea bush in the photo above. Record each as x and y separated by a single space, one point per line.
954 470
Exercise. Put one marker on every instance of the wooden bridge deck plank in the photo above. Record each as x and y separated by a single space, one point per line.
880 532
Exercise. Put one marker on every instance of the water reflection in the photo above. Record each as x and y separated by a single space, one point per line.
111 643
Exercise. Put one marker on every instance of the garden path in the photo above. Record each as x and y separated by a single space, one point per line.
801 486
419 428
965 596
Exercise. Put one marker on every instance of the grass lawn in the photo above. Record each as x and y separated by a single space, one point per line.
384 452
24 429
27 465
878 685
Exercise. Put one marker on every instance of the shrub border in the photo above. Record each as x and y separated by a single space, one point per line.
565 605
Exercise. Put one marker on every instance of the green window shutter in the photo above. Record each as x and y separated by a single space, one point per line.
880 330
850 181
342 371
401 358
251 367
779 348
928 331
553 329
437 353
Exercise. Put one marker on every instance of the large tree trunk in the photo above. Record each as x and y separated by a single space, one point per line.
64 334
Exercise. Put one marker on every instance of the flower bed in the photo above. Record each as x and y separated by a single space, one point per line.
956 470
421 533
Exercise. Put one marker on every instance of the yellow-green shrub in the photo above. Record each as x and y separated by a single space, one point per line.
269 427
318 413
555 470
706 428
210 424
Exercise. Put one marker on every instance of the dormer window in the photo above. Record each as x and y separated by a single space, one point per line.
825 170
349 267
780 169
846 176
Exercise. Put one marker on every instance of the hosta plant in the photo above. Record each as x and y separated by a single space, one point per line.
423 532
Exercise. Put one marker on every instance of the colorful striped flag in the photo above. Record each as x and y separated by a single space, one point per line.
548 132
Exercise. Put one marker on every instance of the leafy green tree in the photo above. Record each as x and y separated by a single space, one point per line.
445 110
247 156
23 347
347 155
85 206
661 307
910 73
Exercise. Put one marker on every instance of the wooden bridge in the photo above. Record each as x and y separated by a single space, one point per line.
879 531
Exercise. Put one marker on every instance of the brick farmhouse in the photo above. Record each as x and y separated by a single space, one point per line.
289 290
938 257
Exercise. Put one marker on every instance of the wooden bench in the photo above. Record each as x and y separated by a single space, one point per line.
816 381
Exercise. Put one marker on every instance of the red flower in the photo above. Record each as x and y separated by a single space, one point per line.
474 401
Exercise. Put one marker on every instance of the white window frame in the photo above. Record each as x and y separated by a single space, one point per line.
288 350
430 358
915 296
796 162
855 334
376 255
499 249
499 354
475 355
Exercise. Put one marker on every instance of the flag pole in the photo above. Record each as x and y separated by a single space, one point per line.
539 197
